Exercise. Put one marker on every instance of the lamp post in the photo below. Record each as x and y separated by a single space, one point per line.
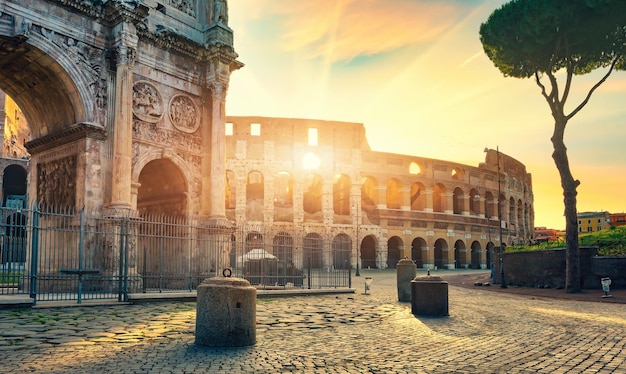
355 207
502 282
501 251
490 249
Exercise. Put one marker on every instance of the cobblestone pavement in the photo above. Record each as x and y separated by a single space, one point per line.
486 332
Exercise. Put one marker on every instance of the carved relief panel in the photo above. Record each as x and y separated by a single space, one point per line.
56 182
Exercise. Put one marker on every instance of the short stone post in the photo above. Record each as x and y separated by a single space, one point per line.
226 313
429 296
405 273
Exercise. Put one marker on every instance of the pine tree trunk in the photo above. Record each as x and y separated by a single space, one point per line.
572 266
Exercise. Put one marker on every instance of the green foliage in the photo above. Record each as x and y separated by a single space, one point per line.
610 242
525 37
9 278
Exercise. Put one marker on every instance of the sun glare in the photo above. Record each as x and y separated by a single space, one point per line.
311 161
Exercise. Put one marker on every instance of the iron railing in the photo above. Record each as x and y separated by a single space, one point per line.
56 254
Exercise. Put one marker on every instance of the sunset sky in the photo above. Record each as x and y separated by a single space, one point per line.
415 74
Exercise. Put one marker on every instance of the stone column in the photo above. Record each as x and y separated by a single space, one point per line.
125 53
405 193
428 195
213 164
448 202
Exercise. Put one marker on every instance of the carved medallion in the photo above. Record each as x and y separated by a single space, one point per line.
147 102
184 114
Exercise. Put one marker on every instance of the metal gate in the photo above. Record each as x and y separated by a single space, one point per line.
56 254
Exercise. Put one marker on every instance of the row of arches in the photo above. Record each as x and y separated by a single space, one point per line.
418 196
340 252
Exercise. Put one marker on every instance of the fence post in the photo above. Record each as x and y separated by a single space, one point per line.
81 238
34 259
309 272
120 285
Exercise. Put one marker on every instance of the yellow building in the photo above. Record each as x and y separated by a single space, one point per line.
593 221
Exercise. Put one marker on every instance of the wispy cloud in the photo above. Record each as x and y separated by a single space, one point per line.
345 29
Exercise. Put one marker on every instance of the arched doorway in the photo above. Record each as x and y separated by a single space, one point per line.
441 253
342 248
393 251
162 190
476 252
459 254
13 182
368 253
416 251
312 251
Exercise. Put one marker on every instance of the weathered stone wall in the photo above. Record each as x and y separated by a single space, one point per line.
546 269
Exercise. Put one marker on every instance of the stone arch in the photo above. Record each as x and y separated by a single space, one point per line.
394 250
511 216
440 253
417 249
474 202
369 195
342 251
460 254
475 257
415 168
394 194
341 194
313 188
457 200
368 252
418 198
255 195
13 182
163 188
490 207
283 197
283 246
40 66
439 203
312 247
157 154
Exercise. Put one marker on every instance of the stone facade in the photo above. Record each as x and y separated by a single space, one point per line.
438 213
124 99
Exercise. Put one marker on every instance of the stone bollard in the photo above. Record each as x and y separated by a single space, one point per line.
429 296
226 313
405 273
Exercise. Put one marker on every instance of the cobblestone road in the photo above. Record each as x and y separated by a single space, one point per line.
486 332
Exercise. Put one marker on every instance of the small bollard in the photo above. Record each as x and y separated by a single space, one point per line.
226 313
405 273
606 285
429 296
368 285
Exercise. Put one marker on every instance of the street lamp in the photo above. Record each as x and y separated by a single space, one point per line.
356 215
501 252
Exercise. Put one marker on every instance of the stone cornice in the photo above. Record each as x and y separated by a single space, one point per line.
75 132
109 12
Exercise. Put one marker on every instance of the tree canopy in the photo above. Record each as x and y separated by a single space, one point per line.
540 38
524 37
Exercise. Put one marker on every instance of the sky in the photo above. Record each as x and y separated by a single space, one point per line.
415 74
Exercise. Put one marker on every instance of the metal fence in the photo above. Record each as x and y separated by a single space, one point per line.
55 254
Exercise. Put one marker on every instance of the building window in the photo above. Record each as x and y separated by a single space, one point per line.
589 229
229 129
312 136
255 129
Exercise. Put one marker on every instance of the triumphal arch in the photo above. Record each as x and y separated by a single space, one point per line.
125 100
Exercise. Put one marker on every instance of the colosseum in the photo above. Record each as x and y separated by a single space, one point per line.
320 178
